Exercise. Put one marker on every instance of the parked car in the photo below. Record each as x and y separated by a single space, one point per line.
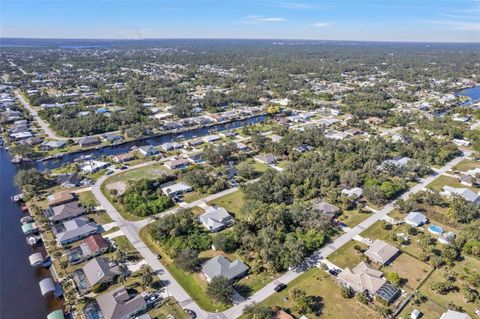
279 287
191 314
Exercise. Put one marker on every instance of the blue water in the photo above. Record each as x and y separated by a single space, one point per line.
473 93
435 229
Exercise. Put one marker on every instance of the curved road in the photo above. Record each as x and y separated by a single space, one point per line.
132 228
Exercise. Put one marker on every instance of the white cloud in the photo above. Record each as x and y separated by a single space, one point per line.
295 5
263 19
321 24
455 25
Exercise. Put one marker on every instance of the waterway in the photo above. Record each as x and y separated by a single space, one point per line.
473 93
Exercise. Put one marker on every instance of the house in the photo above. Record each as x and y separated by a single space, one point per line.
446 238
88 141
64 211
125 157
100 271
325 208
68 180
60 198
73 230
415 219
52 145
461 142
171 146
275 138
222 266
280 314
211 138
362 278
148 150
216 218
469 180
355 192
176 189
119 304
93 166
193 142
226 134
415 314
381 252
177 164
91 246
112 137
302 148
466 193
265 158
196 158
242 147
450 314
398 162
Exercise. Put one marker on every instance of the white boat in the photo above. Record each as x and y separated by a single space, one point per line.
17 198
32 240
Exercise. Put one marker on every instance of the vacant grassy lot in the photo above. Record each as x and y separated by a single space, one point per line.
466 165
232 202
87 199
456 297
429 310
149 172
101 217
192 196
347 256
443 180
316 282
168 308
409 268
353 217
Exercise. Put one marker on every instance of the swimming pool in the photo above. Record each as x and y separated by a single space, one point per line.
437 230
91 310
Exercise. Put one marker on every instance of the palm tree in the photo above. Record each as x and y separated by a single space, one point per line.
147 277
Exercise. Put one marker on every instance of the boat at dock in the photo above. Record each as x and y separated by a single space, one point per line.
17 198
26 219
33 240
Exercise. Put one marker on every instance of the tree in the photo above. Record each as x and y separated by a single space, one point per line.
220 289
246 170
255 311
347 292
393 278
362 298
147 277
303 303
33 178
226 241
187 260
462 210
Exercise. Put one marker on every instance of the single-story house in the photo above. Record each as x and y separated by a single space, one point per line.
73 230
112 137
326 208
211 138
100 270
93 166
125 157
280 314
242 147
355 192
415 219
68 180
52 145
222 266
275 138
176 189
265 158
466 193
171 146
216 218
362 278
64 211
119 304
60 198
177 164
398 162
381 252
450 314
88 141
195 158
91 246
148 150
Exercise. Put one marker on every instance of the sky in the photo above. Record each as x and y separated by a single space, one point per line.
369 20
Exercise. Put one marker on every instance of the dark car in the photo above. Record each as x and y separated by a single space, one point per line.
279 287
124 167
191 314
333 272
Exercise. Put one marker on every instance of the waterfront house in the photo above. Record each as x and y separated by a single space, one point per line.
88 141
68 180
93 245
122 158
99 271
119 304
60 198
73 230
112 137
216 218
381 253
220 266
52 145
148 150
65 211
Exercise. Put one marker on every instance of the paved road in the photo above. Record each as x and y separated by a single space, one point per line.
131 230
44 125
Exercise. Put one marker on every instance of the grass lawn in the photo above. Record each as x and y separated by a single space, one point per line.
87 199
466 165
192 196
257 166
149 172
192 283
316 282
456 297
409 268
429 310
353 217
123 244
443 180
232 202
101 217
347 256
168 308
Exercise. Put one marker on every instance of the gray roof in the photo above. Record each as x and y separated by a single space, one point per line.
222 266
36 259
326 207
118 304
466 193
215 218
266 158
415 219
65 211
450 314
88 140
99 269
46 285
72 179
381 252
73 229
